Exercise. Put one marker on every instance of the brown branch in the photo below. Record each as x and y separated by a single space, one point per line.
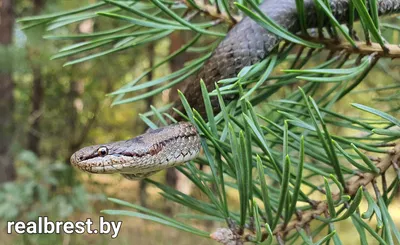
304 218
353 184
363 47
230 236
393 50
213 12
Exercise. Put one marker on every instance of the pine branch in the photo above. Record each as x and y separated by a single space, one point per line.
393 50
392 158
235 142
213 12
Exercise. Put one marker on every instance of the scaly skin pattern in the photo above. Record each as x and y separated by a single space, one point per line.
246 44
143 155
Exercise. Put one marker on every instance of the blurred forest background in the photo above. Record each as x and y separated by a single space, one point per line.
48 111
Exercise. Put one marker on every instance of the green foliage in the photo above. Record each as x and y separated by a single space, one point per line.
39 191
285 147
284 194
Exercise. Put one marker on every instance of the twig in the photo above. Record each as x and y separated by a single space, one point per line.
362 48
214 12
352 185
355 182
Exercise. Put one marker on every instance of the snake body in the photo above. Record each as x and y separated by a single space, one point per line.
245 44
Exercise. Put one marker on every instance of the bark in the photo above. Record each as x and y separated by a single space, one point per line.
7 21
38 6
33 138
78 132
37 96
71 117
149 102
7 170
177 41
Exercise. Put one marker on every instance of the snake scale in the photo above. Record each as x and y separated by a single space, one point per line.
245 44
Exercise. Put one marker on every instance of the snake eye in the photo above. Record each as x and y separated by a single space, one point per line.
102 151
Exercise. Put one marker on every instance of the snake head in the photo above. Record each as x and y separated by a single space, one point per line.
143 155
117 157
97 159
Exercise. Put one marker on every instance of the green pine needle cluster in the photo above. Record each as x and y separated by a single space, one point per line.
281 146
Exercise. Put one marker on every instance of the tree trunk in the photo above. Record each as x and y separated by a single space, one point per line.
33 137
149 102
38 6
177 41
33 140
7 170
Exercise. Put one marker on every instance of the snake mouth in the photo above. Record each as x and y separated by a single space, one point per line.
74 160
108 164
95 164
130 165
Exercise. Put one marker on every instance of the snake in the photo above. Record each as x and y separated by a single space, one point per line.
245 44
